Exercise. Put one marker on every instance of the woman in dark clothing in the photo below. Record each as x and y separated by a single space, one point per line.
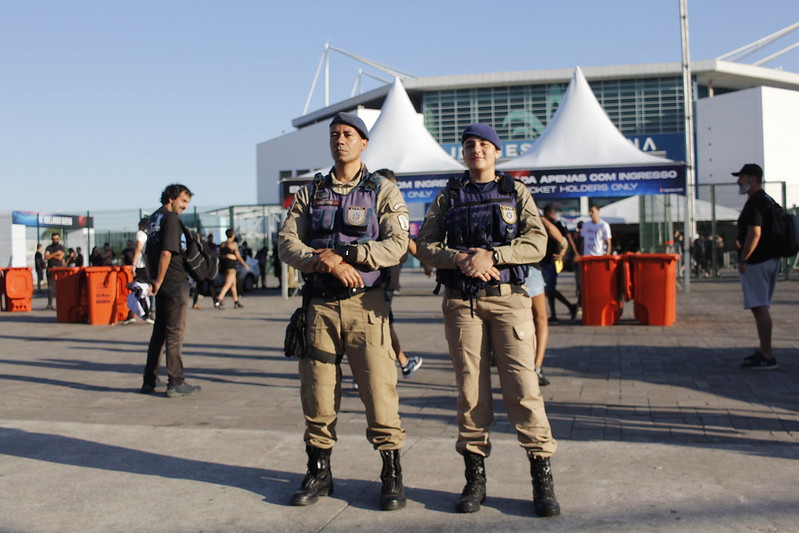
229 257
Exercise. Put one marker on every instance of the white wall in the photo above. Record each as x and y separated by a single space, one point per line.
5 239
758 125
20 254
781 142
302 149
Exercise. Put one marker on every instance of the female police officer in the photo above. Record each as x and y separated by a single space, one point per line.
479 233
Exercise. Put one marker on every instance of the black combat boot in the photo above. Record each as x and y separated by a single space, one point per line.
543 487
318 480
474 493
392 494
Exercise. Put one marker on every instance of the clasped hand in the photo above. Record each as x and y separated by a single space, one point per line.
327 261
477 263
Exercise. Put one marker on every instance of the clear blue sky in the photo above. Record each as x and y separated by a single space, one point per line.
103 102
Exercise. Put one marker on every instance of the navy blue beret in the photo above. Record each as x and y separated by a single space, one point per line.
483 131
351 119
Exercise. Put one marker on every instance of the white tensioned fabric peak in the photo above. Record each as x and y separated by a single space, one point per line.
400 142
580 134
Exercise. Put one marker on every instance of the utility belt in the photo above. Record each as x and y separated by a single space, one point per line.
334 294
496 289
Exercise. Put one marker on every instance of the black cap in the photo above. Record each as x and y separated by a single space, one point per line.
351 119
750 169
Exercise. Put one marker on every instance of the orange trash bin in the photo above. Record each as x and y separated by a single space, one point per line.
654 281
101 289
70 293
18 288
599 287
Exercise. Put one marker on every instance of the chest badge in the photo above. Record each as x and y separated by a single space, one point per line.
355 216
508 214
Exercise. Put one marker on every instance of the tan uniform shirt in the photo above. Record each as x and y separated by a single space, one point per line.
392 214
528 247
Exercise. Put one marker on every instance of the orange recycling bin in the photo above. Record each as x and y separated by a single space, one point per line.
654 288
101 287
124 276
599 287
70 294
18 288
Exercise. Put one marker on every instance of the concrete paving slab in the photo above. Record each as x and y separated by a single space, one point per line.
659 429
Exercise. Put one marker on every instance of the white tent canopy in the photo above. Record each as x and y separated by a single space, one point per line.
580 134
626 211
400 142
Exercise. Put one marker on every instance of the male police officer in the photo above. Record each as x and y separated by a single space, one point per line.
479 233
339 232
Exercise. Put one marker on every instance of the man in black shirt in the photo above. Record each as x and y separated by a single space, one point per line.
54 256
756 263
170 285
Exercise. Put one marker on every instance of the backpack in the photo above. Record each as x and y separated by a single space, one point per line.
783 241
200 261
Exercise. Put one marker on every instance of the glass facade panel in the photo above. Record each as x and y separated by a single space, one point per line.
635 106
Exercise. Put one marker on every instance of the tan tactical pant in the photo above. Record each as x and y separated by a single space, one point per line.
357 327
502 325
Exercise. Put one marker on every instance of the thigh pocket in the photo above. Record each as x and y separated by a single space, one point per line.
376 328
524 331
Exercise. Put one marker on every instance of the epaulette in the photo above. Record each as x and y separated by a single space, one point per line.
372 181
507 183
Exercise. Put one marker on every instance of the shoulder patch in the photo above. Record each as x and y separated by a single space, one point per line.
404 222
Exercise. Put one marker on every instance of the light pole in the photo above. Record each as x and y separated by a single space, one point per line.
690 176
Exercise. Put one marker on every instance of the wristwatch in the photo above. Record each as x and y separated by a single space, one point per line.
349 252
496 257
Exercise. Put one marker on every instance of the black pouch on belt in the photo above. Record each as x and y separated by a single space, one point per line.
295 341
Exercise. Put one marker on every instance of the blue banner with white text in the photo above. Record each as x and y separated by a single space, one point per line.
568 183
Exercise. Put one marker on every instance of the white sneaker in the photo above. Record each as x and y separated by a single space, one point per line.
413 364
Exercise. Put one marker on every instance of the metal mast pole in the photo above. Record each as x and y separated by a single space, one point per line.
690 178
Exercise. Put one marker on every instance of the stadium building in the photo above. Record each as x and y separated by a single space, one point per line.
744 113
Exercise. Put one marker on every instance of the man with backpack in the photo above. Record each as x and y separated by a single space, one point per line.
169 279
757 262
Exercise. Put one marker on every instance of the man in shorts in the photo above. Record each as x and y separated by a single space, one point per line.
756 263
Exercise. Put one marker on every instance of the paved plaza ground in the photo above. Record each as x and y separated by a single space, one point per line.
658 427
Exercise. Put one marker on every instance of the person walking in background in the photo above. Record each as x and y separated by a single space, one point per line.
211 244
536 283
557 246
262 256
245 250
71 258
127 253
596 234
411 364
577 242
78 257
756 263
229 258
170 284
106 255
139 267
341 231
94 257
54 256
39 265
480 233
276 264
